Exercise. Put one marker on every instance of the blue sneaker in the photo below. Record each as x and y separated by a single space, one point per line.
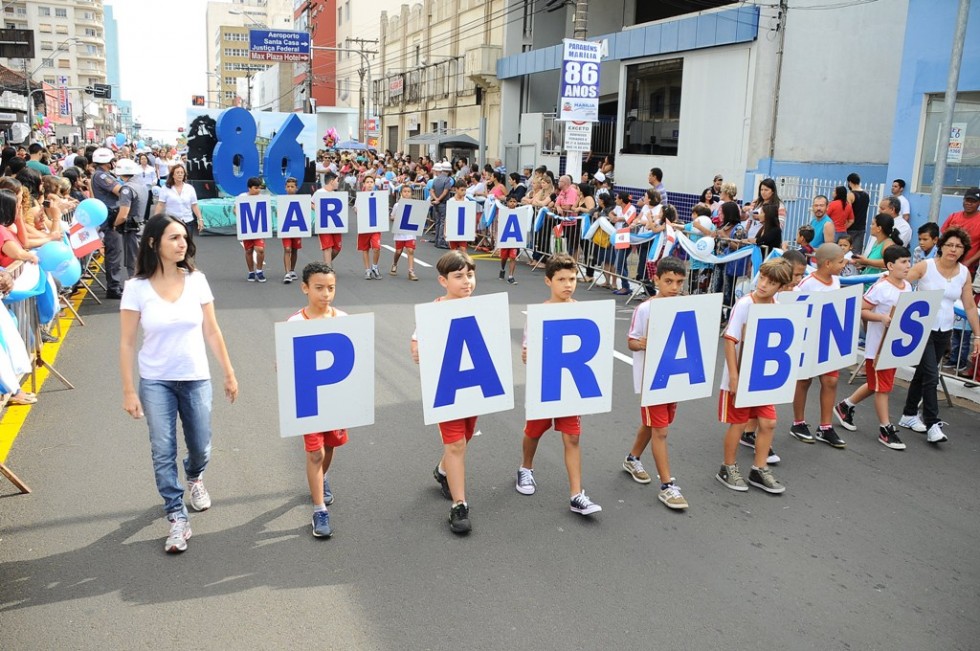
321 524
251 277
327 493
260 276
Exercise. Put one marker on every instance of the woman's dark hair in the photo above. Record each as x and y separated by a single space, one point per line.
139 156
72 174
706 195
8 207
14 165
585 189
148 258
959 234
6 154
170 176
669 213
840 194
770 217
10 183
653 196
30 180
731 214
887 225
768 183
498 177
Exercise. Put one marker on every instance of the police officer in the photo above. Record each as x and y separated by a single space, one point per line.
133 198
106 188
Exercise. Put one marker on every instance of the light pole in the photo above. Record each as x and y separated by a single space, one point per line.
367 65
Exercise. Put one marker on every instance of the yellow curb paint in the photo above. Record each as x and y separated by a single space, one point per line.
15 415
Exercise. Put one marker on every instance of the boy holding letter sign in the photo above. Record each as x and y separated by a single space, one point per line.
589 367
512 227
407 220
331 217
254 223
450 336
300 342
773 274
368 205
460 219
294 224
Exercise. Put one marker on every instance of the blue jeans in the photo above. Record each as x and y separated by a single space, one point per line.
163 401
621 267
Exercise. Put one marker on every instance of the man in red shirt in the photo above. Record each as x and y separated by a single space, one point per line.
969 220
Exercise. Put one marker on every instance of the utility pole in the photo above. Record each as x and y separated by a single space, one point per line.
364 104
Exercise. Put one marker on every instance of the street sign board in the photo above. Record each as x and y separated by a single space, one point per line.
578 136
64 104
17 43
578 98
278 45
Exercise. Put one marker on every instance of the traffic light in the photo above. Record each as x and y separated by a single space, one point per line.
100 90
197 100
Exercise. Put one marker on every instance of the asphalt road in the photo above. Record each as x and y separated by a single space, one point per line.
868 549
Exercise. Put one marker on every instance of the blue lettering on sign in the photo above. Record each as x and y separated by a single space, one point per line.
555 360
307 378
293 219
765 351
250 223
235 130
684 329
372 203
406 224
465 332
910 326
832 328
329 209
461 220
512 229
284 158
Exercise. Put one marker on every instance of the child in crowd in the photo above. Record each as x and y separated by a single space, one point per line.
330 243
254 249
508 257
369 242
603 254
803 238
622 217
773 275
319 283
404 241
830 261
457 275
928 236
561 274
846 244
876 312
654 419
700 226
459 194
290 245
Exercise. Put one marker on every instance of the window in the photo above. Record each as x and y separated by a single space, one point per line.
61 29
61 12
653 107
50 80
44 11
42 27
650 11
64 63
89 31
229 81
47 46
962 148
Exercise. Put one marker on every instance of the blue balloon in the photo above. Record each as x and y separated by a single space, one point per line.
68 273
54 254
141 144
91 212
120 139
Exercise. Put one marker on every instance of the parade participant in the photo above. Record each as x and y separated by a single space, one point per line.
173 304
290 245
254 249
330 243
404 241
561 275
508 257
459 194
370 242
179 199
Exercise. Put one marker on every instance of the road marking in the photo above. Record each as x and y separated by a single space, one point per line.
417 261
623 358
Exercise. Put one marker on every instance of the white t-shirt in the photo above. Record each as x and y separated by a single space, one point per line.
648 216
904 230
618 216
173 336
952 292
883 295
736 323
300 315
812 284
906 208
163 166
638 330
179 204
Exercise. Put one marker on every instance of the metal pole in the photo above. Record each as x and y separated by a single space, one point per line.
952 81
481 158
580 20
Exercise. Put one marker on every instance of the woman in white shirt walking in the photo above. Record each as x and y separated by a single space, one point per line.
148 176
174 305
179 199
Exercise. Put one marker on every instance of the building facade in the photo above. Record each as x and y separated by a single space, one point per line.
318 78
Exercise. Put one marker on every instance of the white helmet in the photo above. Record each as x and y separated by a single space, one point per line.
126 167
102 155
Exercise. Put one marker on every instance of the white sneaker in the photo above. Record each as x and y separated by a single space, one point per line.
913 423
581 504
525 481
368 275
936 434
200 499
180 531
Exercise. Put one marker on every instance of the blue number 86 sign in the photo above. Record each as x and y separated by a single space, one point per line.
236 157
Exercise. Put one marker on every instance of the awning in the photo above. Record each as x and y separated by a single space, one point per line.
444 140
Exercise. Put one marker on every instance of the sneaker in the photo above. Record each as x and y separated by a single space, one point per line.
180 531
731 476
200 499
376 273
671 496
443 483
888 436
936 434
773 458
829 436
636 471
845 416
748 440
764 479
327 493
393 271
581 503
801 433
260 276
525 481
288 278
411 275
501 276
459 518
368 275
250 277
512 280
913 423
321 524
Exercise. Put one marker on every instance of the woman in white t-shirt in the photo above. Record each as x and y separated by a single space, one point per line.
174 305
179 199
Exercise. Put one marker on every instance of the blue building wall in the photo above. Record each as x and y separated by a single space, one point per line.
925 66
111 33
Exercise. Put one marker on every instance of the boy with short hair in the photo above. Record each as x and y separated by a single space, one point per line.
404 241
879 301
773 275
654 419
561 276
319 283
830 262
457 275
369 241
803 238
459 194
290 245
846 243
508 255
928 236
330 243
254 249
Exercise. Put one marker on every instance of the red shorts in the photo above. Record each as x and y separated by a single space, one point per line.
457 245
729 413
294 243
571 425
508 254
332 439
879 381
367 241
456 430
330 241
658 415
405 244
253 244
